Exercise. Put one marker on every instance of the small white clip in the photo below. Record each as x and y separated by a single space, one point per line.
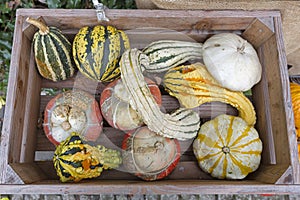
100 11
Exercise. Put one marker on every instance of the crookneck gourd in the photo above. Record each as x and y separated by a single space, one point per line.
116 109
97 50
75 160
165 54
227 147
52 52
182 124
193 86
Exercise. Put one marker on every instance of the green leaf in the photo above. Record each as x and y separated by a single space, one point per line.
5 45
130 4
248 92
73 4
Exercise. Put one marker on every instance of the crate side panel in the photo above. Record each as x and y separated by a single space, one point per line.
16 98
158 187
257 33
130 19
288 105
263 124
277 103
28 172
32 113
189 22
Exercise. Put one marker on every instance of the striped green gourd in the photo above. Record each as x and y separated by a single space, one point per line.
165 54
52 52
182 124
97 50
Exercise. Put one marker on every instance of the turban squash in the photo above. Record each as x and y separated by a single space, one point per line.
227 147
116 109
149 156
72 111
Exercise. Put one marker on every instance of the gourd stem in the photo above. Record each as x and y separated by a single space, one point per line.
242 48
226 149
43 29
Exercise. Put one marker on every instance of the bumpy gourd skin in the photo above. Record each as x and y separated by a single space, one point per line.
193 86
75 160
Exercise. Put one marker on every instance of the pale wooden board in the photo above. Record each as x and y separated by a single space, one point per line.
70 22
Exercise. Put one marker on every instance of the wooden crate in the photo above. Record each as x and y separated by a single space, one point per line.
25 152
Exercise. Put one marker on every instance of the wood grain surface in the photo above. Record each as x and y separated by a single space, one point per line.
26 153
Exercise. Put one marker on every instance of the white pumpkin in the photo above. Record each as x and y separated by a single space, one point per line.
232 61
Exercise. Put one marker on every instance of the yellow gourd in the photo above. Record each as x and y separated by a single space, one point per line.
193 86
295 95
227 147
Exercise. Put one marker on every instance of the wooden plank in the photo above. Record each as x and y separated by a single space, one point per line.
292 138
277 103
126 19
186 170
13 121
257 33
12 177
157 187
32 113
28 172
261 102
275 174
202 23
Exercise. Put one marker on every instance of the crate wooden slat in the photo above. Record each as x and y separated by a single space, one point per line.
26 153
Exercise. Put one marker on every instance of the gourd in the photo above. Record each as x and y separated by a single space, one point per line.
115 107
232 61
72 111
52 52
183 124
227 147
298 151
74 159
97 50
193 86
148 155
165 54
295 95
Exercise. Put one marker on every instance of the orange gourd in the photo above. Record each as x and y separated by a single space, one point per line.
295 95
